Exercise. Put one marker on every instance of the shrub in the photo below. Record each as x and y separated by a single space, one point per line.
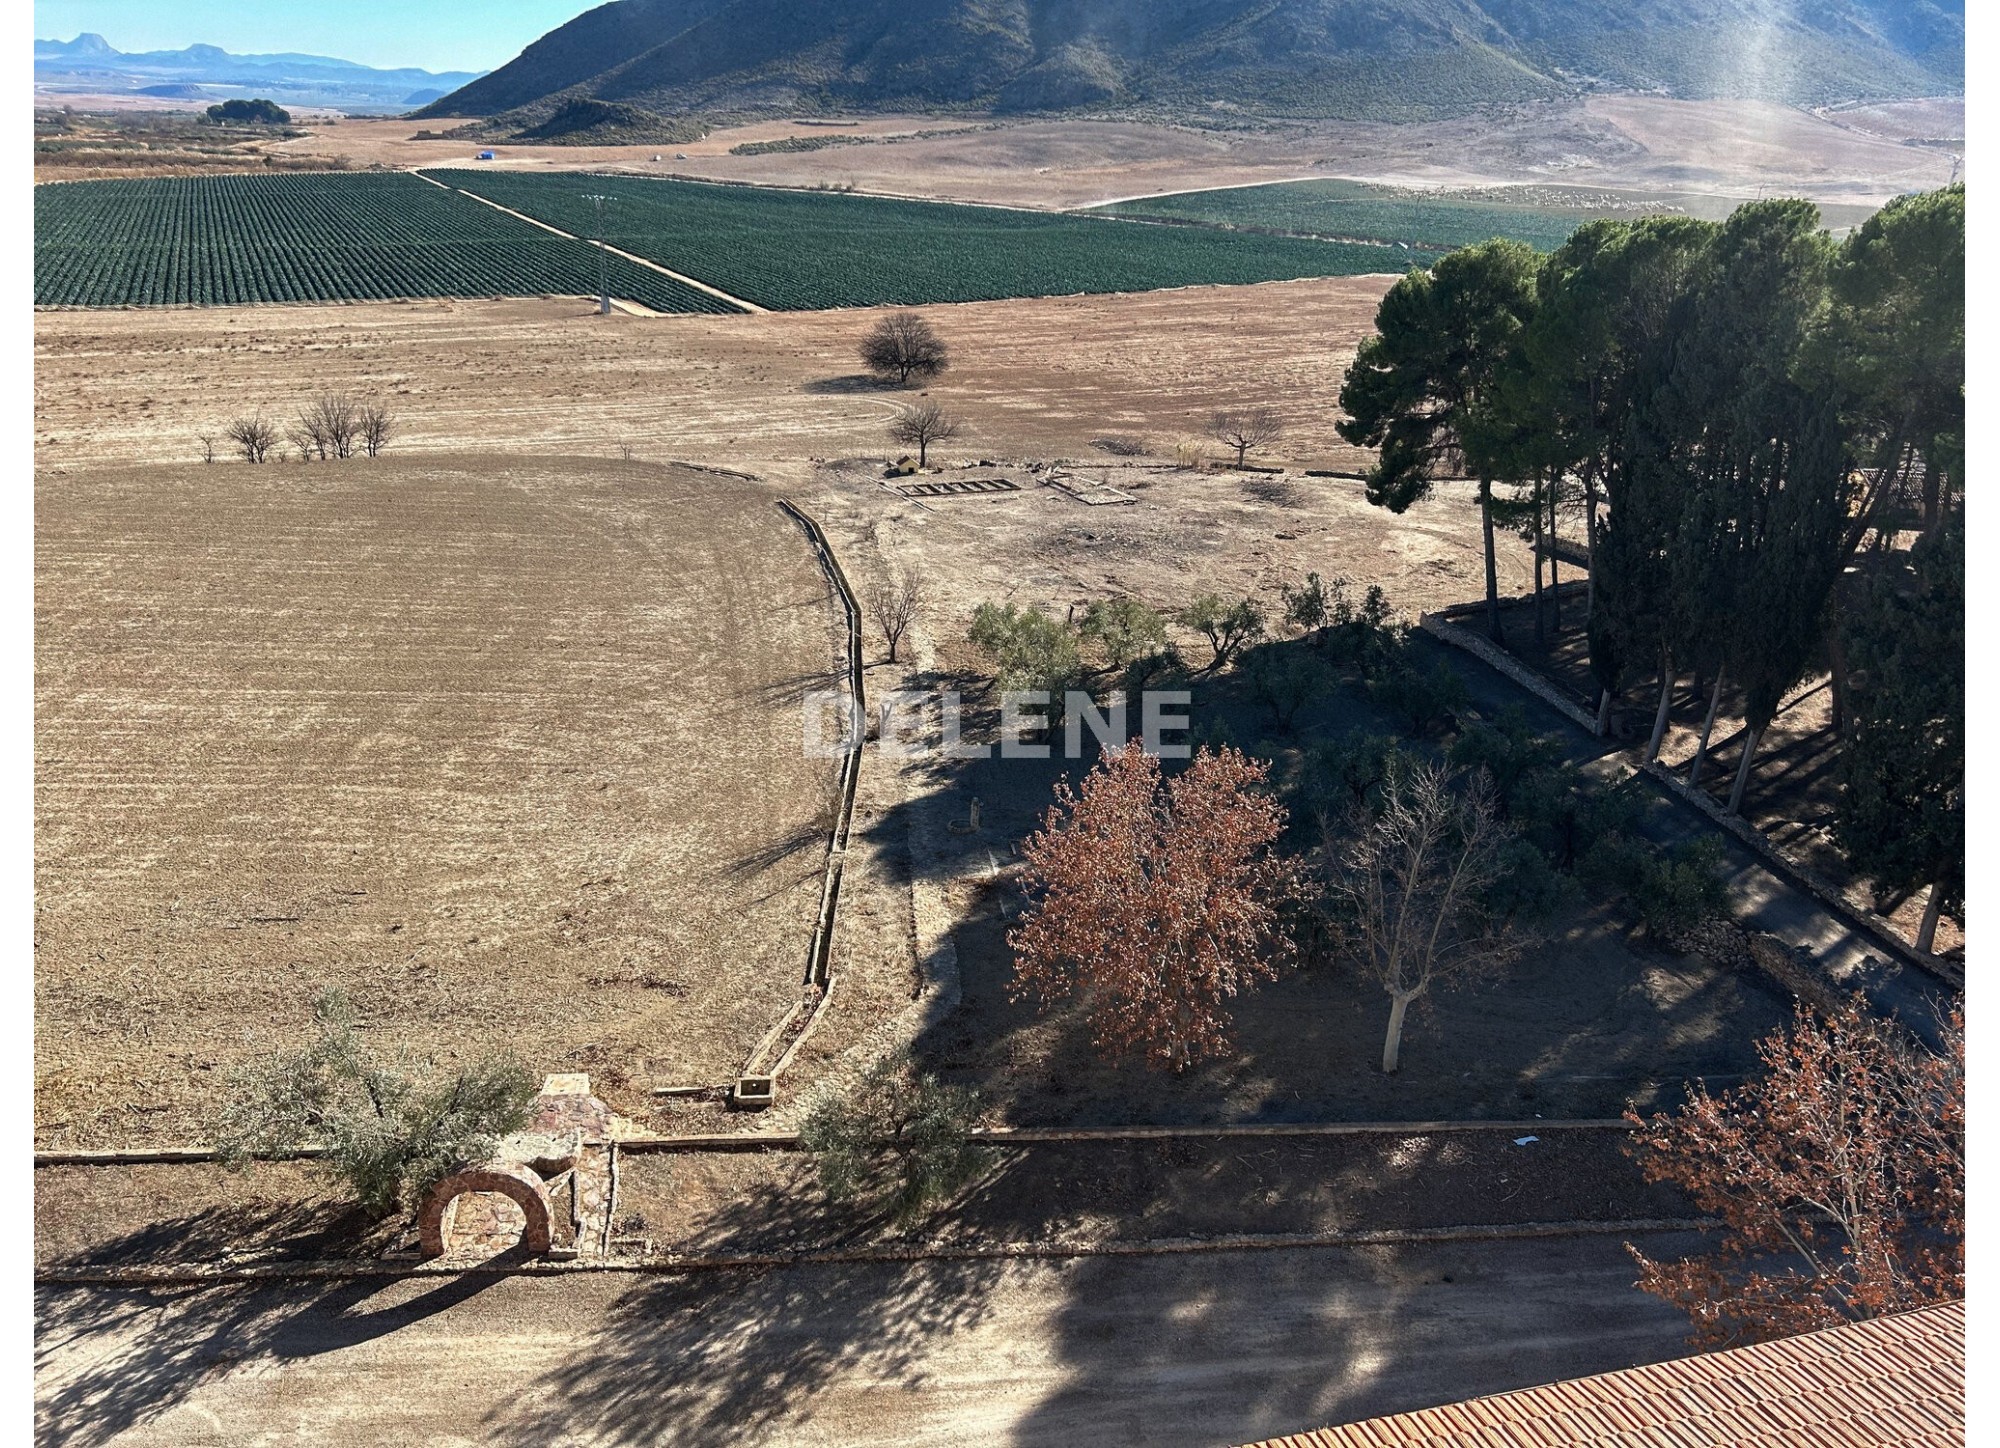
1420 698
390 1130
900 1140
1227 626
1031 652
1124 629
1286 680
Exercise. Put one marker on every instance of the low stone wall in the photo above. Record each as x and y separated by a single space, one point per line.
1440 627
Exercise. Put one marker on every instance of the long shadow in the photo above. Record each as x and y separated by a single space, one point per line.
151 1348
725 1357
1232 1347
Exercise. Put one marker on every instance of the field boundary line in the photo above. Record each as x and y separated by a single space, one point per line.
994 1135
1442 628
216 1274
684 280
818 981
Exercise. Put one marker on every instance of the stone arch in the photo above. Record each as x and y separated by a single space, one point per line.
517 1183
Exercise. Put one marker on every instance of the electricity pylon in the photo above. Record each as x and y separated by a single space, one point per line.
598 203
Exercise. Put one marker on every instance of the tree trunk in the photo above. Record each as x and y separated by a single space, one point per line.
1590 541
1492 566
1707 728
1392 1044
1666 703
1743 769
1541 635
923 454
1836 662
1927 929
1555 564
1603 713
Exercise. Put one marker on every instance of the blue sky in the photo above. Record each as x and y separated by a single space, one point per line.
430 34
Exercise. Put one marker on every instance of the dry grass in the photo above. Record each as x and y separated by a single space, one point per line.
503 747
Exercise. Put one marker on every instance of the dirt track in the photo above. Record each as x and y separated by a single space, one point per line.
1163 1351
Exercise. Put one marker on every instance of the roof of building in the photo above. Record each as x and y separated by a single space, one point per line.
1894 1380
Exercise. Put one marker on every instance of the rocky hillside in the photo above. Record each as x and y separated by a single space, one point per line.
1380 59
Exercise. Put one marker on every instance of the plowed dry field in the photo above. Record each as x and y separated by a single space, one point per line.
504 748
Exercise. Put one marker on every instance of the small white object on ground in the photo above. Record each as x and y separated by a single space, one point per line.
1524 1140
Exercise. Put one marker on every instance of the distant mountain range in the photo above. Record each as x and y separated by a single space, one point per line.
90 63
1374 59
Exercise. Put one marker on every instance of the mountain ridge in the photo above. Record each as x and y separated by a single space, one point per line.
1376 59
90 60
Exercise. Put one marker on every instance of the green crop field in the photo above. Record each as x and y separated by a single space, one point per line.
308 238
1353 210
792 250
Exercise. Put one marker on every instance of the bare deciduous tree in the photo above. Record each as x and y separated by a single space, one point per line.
904 345
253 436
895 605
305 439
207 447
922 425
375 428
1246 430
330 420
1407 893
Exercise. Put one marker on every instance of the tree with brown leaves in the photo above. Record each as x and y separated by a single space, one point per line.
1839 1177
1156 902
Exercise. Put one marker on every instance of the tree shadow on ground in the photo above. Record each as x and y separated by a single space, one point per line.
730 1355
853 382
1233 1346
154 1346
261 1231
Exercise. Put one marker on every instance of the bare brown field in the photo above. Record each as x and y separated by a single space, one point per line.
1728 148
1032 378
504 747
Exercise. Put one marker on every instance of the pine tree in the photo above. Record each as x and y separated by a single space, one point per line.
1422 389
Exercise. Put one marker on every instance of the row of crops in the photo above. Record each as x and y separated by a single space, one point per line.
790 250
1356 210
308 238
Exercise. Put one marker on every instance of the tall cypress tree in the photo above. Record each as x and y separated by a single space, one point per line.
1902 810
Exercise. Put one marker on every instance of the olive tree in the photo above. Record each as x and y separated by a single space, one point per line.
390 1129
901 1139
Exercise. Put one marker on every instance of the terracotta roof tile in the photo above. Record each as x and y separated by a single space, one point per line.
1894 1380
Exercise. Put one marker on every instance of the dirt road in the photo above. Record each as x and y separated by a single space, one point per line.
1203 1349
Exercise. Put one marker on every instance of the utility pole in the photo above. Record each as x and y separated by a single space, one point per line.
598 203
